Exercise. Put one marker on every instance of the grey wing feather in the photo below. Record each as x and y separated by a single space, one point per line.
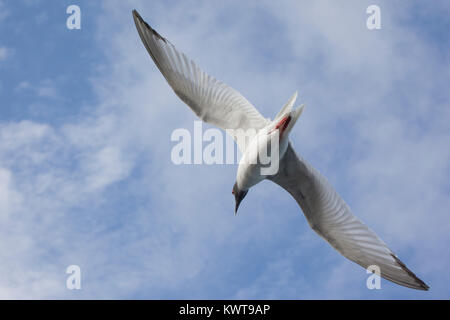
329 215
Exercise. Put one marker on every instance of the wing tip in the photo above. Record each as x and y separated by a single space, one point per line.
420 285
138 20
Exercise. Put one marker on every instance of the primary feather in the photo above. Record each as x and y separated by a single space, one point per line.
212 100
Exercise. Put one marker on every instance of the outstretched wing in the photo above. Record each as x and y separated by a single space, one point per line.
211 100
329 215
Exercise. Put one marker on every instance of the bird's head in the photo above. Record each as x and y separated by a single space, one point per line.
238 195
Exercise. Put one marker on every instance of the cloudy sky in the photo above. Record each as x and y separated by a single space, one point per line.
86 176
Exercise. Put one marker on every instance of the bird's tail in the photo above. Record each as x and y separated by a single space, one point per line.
293 117
287 107
287 117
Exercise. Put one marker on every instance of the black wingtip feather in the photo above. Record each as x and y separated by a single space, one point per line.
137 17
422 285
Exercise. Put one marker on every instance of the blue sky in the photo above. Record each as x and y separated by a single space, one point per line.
85 170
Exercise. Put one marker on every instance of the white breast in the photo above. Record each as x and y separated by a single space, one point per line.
261 158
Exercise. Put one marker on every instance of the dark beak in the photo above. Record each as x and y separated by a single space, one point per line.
238 195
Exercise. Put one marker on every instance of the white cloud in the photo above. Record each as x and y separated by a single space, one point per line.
47 89
42 180
23 85
5 53
4 12
105 167
44 89
9 198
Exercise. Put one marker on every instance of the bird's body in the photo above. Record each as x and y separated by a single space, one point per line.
261 158
268 154
250 166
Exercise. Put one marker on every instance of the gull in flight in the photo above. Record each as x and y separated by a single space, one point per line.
327 213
